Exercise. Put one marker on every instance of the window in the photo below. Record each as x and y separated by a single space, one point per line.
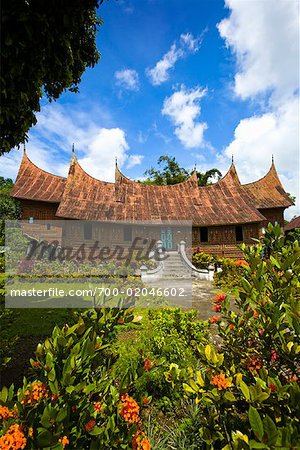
87 231
30 220
239 234
203 234
127 233
48 226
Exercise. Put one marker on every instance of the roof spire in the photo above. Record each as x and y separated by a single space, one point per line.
116 161
195 167
272 158
73 148
232 160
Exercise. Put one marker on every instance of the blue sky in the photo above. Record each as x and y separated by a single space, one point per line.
199 80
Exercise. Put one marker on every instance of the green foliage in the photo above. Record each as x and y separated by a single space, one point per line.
172 173
144 361
202 260
46 47
72 394
204 177
246 386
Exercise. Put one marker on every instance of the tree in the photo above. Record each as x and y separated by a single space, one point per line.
9 207
45 48
172 173
204 177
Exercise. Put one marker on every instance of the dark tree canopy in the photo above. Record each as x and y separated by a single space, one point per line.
205 178
9 207
46 45
172 173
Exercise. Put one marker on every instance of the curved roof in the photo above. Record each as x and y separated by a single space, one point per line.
295 223
81 196
268 192
126 200
33 183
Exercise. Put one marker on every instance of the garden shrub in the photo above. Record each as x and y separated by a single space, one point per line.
247 387
72 400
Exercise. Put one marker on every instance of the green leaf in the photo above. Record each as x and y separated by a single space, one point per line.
200 380
245 390
62 415
255 444
256 422
229 396
4 394
271 430
44 438
188 389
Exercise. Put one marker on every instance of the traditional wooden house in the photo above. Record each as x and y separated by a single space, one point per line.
223 214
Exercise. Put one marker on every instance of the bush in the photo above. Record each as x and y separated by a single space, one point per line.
72 399
247 387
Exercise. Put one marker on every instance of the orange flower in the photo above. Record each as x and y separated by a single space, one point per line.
219 298
253 364
120 321
64 440
221 381
14 439
36 364
129 409
90 425
241 262
215 319
292 378
98 406
140 441
148 364
272 386
35 392
231 326
30 432
146 401
5 413
217 308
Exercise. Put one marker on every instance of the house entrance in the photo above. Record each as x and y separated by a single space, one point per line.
166 236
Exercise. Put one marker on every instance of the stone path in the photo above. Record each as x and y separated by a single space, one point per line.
203 294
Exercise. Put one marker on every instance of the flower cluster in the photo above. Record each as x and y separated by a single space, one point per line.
13 439
140 441
215 319
5 413
221 381
219 298
90 425
64 441
98 406
148 364
34 392
129 409
254 364
241 262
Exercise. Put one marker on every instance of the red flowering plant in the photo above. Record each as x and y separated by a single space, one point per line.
72 402
247 382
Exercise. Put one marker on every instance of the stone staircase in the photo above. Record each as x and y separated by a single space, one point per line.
173 267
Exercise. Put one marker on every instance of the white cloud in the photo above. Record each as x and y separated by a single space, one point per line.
127 79
183 109
187 44
134 160
51 141
264 37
